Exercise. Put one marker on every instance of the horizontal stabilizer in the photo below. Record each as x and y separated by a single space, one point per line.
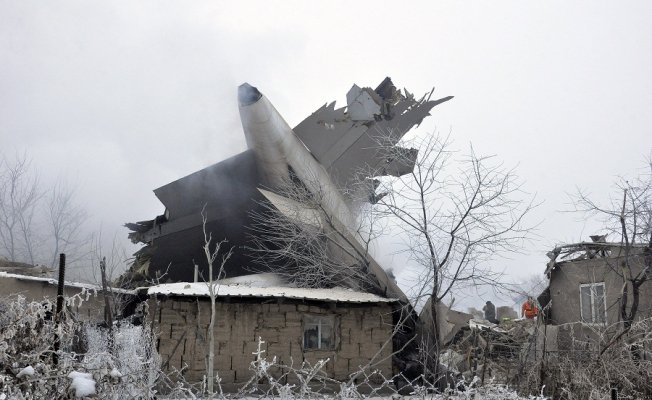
355 139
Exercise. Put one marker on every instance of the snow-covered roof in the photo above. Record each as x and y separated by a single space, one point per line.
52 281
248 289
266 279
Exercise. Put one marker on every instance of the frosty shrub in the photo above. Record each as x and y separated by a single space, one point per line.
601 368
132 371
23 326
84 365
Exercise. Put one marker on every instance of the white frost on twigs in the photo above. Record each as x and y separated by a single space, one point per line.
82 383
27 371
115 373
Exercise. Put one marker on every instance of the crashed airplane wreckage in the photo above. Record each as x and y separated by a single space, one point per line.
324 153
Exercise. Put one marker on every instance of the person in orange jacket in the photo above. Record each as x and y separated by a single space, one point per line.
529 309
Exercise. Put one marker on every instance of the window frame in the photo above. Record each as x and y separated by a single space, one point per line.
594 309
332 322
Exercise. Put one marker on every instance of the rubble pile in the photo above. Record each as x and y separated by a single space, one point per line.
489 351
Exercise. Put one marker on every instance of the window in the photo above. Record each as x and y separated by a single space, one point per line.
318 333
593 303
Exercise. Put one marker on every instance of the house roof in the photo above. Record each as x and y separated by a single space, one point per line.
573 252
259 291
52 281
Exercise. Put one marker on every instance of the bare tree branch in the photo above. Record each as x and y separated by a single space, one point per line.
295 235
19 199
457 213
36 222
629 217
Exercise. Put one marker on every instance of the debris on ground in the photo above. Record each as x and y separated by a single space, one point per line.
489 351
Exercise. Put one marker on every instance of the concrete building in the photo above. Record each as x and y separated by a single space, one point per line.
586 283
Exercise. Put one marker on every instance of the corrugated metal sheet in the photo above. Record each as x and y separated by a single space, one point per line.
52 281
244 290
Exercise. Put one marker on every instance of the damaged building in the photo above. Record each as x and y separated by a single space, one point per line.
580 313
335 155
586 282
295 325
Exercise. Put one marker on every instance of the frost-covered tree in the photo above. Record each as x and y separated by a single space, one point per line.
457 212
216 259
297 235
628 217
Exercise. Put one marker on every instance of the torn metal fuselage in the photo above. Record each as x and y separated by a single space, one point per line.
328 152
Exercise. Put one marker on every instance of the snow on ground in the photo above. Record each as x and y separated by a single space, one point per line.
82 383
27 371
115 373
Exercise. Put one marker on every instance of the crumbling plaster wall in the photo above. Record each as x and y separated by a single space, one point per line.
182 326
450 321
565 283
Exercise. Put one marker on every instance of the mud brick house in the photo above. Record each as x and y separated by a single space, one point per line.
351 329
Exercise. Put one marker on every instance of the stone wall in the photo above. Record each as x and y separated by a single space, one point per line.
182 325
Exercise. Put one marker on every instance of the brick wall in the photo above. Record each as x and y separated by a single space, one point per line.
182 323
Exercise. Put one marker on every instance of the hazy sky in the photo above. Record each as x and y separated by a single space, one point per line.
125 96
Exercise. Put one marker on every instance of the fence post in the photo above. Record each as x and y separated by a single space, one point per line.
57 315
108 314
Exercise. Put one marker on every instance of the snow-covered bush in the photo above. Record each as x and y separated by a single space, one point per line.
84 365
82 384
596 368
23 325
133 368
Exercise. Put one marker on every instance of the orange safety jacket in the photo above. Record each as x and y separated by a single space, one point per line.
530 310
